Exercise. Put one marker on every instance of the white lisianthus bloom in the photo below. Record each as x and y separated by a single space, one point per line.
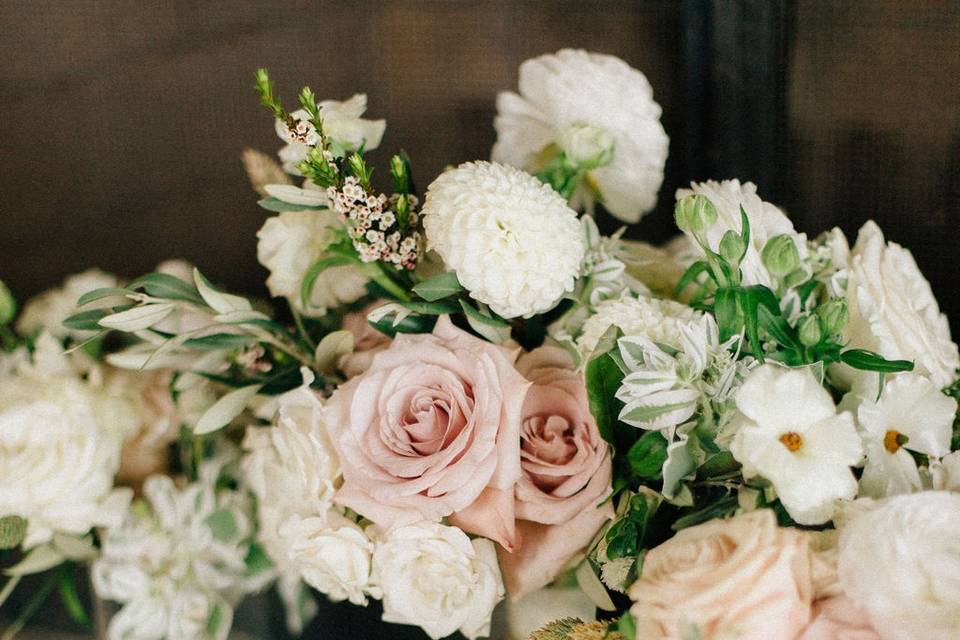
893 311
600 112
655 319
766 221
341 123
513 241
47 311
788 431
435 577
288 244
333 555
59 450
913 414
899 561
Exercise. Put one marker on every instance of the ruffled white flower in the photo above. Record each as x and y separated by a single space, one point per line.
655 319
177 564
893 311
900 561
766 221
435 577
911 414
341 123
513 241
59 449
789 432
289 244
600 112
47 311
333 555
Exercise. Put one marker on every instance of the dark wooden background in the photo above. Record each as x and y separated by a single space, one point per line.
121 123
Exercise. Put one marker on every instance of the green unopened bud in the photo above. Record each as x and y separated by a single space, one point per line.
834 316
695 213
8 305
13 529
732 247
810 331
586 146
780 255
398 169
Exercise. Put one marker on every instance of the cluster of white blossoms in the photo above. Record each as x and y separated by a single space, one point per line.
600 113
178 562
513 242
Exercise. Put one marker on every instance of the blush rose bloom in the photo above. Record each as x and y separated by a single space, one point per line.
428 427
566 474
741 578
367 341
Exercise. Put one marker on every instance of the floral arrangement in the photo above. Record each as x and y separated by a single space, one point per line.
469 394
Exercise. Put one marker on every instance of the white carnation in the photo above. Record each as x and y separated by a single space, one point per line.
435 577
599 111
289 244
766 221
900 561
893 311
59 451
47 311
655 319
513 241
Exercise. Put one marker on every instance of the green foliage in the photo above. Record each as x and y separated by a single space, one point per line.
277 205
13 529
8 305
163 285
439 287
647 455
264 87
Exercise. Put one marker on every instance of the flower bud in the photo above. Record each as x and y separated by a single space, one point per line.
810 331
834 316
732 246
586 146
8 306
780 255
13 529
695 213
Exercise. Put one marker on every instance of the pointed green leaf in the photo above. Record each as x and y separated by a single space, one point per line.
438 287
164 285
225 409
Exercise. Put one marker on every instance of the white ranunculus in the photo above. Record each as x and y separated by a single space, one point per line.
788 431
911 414
341 123
513 241
900 561
655 319
766 221
47 311
333 555
893 311
601 113
58 455
435 577
289 244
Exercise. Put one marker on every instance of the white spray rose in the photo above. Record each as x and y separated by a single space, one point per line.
900 561
437 578
893 311
288 244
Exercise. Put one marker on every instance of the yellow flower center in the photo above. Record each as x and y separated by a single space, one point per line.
893 440
792 440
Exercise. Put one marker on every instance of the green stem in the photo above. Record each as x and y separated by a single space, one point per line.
301 328
379 274
31 608
8 589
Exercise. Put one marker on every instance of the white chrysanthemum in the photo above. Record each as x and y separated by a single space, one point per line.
289 244
652 318
435 577
900 561
598 110
789 432
47 311
893 310
177 564
911 414
513 241
766 221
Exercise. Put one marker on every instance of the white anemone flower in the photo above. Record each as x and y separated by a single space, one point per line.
789 432
911 414
597 110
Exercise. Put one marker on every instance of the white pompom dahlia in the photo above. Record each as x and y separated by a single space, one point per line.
513 241
600 112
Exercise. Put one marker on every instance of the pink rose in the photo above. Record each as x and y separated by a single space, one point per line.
367 341
839 618
742 578
432 423
566 473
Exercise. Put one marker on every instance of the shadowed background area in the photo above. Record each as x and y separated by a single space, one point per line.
123 122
